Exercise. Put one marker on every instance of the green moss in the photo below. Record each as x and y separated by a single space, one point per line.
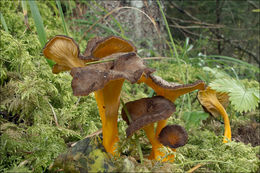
206 148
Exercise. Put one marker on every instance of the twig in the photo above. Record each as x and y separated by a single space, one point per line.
194 22
111 12
89 136
194 26
253 4
194 168
183 11
238 47
54 115
23 163
78 101
255 57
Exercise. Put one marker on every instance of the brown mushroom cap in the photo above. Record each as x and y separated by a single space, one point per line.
92 43
170 90
146 111
173 136
95 76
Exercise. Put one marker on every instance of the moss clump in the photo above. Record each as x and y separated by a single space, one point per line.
206 148
30 97
35 147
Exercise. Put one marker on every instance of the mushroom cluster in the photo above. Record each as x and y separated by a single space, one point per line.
102 69
147 111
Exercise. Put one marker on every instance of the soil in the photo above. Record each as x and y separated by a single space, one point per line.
248 133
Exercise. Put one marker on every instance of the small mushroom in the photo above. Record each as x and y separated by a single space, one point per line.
147 111
173 136
215 103
144 113
169 90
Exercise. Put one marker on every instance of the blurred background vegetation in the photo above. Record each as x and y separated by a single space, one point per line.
183 40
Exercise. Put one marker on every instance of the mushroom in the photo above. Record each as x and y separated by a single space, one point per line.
215 103
173 136
144 113
104 79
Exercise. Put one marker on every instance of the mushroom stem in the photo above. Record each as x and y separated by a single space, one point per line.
108 100
149 130
156 145
222 111
160 125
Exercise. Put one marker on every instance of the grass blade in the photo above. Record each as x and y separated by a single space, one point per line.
62 17
168 30
3 22
234 60
39 26
25 13
38 22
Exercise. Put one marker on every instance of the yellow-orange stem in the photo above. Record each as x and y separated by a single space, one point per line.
227 133
108 100
160 125
156 154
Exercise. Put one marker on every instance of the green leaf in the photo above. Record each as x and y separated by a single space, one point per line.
241 97
194 118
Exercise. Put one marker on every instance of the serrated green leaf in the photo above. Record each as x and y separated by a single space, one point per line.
242 98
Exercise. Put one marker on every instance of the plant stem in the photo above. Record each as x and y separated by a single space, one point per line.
135 136
62 17
101 61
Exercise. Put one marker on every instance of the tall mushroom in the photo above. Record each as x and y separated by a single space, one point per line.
106 79
215 103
